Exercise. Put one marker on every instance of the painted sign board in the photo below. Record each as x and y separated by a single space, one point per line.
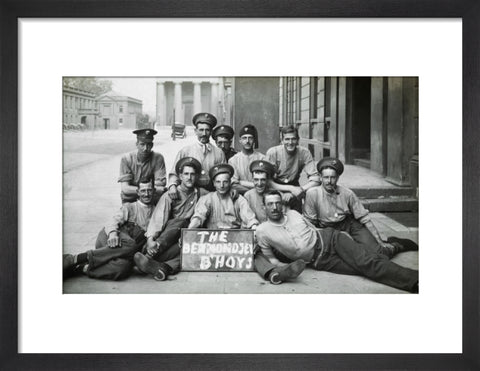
217 250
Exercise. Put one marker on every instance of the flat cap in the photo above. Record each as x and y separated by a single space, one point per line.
262 165
188 161
223 130
330 162
145 135
221 169
205 118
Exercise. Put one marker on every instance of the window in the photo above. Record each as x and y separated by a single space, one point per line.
120 120
120 109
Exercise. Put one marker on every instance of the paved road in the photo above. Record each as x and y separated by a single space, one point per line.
92 195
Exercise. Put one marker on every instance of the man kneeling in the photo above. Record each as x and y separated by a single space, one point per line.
289 237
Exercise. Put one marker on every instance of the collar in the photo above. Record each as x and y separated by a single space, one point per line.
285 218
336 192
186 190
142 204
208 145
145 159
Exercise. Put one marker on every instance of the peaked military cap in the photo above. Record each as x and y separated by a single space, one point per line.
330 162
223 130
221 169
262 165
204 118
145 135
252 130
188 161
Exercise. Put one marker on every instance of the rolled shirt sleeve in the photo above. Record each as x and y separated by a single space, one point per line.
265 247
310 207
309 165
203 208
246 213
126 173
357 209
159 171
160 216
119 219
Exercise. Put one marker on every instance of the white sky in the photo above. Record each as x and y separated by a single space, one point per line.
142 88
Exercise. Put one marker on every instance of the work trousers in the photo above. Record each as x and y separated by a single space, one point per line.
343 255
115 263
262 264
359 232
169 250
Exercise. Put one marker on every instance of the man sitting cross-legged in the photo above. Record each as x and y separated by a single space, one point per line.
262 172
161 256
289 237
116 244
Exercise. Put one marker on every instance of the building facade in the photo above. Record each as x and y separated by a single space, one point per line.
79 108
179 99
364 121
117 110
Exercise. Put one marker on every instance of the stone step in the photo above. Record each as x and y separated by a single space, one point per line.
363 162
390 204
383 192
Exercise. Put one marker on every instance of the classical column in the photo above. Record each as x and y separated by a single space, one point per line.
214 99
178 102
161 119
197 98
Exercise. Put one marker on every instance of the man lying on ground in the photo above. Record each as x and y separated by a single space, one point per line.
288 237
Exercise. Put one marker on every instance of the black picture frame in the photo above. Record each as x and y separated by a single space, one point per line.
11 10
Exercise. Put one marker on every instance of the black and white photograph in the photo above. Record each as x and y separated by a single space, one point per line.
180 182
240 185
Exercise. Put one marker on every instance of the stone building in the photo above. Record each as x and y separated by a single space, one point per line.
79 108
178 99
370 122
365 121
117 110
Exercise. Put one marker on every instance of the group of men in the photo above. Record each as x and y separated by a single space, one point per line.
319 224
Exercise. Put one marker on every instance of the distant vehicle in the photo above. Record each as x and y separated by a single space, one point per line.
178 130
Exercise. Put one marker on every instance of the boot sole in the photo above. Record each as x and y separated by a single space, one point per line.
149 266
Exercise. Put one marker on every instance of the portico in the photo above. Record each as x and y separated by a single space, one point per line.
178 99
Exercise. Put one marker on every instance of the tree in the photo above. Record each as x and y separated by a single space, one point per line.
90 84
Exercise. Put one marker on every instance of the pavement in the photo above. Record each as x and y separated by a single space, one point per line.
92 195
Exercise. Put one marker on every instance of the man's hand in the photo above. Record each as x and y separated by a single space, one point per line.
172 192
234 194
113 240
151 248
297 191
287 197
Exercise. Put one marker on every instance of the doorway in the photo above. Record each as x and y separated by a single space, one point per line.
360 127
106 123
